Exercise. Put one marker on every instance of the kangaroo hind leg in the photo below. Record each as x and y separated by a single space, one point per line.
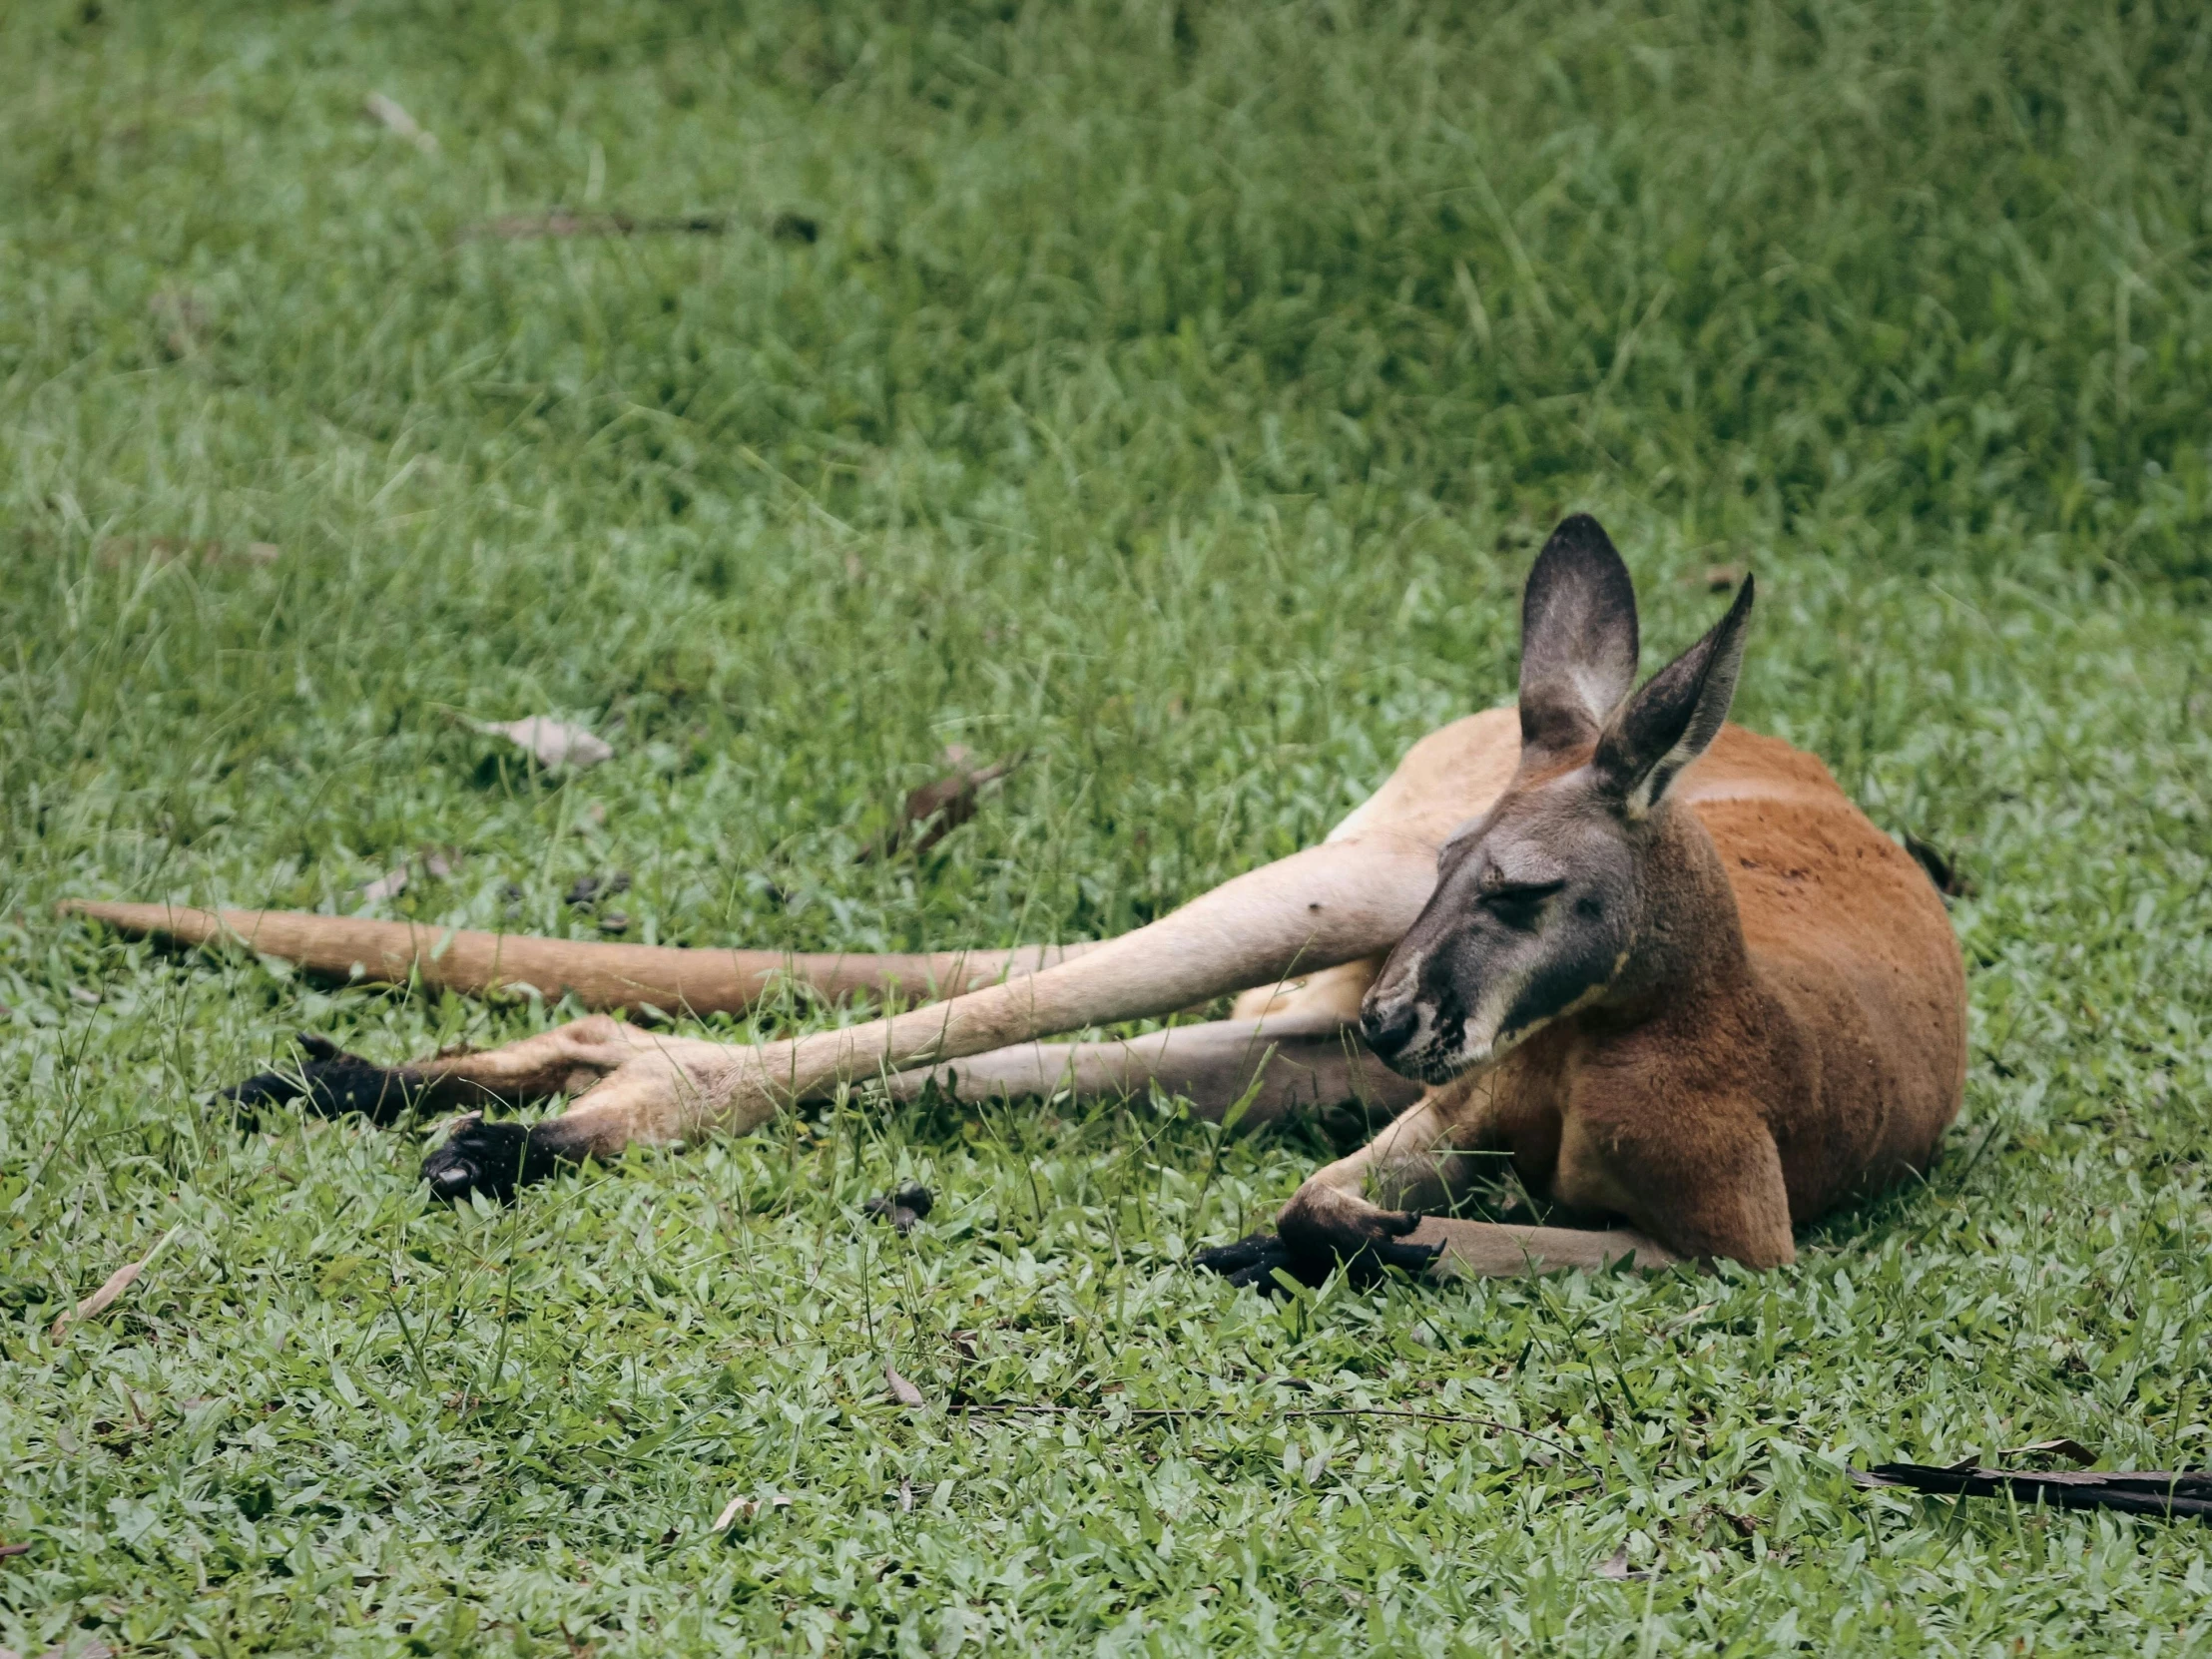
1332 903
335 1083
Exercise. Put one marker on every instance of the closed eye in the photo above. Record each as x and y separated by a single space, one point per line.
1520 903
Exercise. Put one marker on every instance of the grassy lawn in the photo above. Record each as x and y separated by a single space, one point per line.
1176 392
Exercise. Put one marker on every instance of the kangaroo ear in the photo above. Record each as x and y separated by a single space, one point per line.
1669 724
1578 641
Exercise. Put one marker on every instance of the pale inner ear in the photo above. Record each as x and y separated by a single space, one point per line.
1653 784
1676 716
1598 688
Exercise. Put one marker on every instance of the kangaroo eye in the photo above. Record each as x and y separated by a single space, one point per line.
1518 904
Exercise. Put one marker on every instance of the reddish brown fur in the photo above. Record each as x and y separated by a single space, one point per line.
1817 1049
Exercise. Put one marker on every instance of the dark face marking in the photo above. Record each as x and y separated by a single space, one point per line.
1534 913
1531 916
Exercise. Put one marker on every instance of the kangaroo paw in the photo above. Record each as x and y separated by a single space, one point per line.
1252 1262
333 1083
493 1158
1365 1241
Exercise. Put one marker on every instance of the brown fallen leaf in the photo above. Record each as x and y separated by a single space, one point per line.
553 744
2171 1494
117 1282
7 1551
1616 1566
183 318
902 1390
390 884
589 889
1720 578
440 863
2072 1450
399 121
741 1507
935 810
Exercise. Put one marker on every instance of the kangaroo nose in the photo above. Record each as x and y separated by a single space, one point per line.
1388 1030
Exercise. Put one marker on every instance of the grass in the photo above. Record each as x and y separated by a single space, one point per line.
1177 391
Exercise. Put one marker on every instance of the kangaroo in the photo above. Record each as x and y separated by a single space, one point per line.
1661 964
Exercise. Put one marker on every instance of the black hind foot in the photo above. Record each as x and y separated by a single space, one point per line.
1251 1261
496 1159
1313 1241
333 1083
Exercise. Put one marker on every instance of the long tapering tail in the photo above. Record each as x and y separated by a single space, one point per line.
598 974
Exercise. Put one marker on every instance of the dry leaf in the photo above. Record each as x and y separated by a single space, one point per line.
89 999
1720 578
554 744
117 1282
390 884
589 889
1616 1566
906 1497
7 1551
615 921
2072 1450
902 1390
399 121
183 320
440 863
935 810
741 1507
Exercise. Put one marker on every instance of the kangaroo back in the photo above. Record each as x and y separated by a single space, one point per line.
1845 931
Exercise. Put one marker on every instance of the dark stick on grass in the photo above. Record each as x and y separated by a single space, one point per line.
532 226
2171 1495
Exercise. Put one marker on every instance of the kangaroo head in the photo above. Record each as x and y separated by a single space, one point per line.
1545 903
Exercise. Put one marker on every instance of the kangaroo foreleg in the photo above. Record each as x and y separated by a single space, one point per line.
1334 1218
1272 1066
1329 905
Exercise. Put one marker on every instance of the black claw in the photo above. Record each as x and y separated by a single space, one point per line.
492 1158
1307 1251
333 1083
901 1208
1253 1260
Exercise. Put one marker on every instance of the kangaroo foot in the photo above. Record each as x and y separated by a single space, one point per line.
1251 1261
496 1158
333 1083
1313 1239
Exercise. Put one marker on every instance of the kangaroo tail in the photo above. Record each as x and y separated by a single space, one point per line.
598 974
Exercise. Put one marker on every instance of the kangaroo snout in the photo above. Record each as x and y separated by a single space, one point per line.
1387 1024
